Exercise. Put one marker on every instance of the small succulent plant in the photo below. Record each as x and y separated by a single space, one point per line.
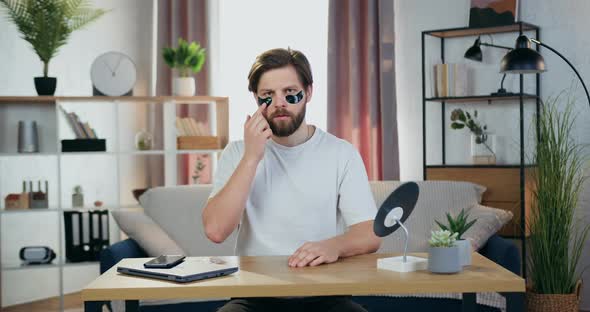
458 224
442 238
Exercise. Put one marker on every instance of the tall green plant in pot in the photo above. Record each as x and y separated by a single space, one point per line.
187 58
556 237
47 25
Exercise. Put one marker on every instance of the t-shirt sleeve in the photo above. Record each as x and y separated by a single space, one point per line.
356 202
228 162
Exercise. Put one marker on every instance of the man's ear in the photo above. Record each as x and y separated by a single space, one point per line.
308 93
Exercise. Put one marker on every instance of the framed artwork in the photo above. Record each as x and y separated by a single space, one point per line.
488 13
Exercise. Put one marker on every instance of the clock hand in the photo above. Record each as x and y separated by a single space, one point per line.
110 69
117 67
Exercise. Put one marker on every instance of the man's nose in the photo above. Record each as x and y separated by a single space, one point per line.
281 101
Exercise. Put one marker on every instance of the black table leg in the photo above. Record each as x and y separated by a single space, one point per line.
469 303
131 305
93 306
514 301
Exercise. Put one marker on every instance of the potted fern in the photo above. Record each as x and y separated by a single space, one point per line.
443 253
460 225
556 236
187 59
47 25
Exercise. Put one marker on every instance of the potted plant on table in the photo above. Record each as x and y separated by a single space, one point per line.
188 59
460 225
556 238
47 25
443 253
482 142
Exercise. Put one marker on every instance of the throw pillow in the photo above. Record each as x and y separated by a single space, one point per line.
489 221
141 228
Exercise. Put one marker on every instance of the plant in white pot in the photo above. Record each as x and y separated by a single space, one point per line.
557 237
443 253
460 225
188 59
47 25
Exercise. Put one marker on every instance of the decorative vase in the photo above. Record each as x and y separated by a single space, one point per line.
45 85
184 86
554 302
464 251
444 260
77 200
483 149
143 140
28 137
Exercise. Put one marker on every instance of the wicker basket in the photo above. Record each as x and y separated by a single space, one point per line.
554 302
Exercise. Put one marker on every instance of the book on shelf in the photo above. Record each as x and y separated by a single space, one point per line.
82 130
187 126
451 80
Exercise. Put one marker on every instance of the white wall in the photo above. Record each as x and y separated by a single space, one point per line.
248 28
563 26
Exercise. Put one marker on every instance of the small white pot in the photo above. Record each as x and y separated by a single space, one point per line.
184 86
464 251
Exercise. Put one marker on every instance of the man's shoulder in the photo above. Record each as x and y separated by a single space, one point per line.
333 142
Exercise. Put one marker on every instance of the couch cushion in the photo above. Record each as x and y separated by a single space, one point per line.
178 211
150 236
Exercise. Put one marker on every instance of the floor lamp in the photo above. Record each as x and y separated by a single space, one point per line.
524 60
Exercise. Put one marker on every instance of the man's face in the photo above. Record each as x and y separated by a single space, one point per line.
284 118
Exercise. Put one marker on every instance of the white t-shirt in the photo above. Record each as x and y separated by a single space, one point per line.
308 192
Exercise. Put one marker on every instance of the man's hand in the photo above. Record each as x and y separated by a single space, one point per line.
256 133
315 253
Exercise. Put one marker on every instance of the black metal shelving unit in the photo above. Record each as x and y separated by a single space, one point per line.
517 28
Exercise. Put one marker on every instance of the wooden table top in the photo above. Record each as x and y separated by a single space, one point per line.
270 276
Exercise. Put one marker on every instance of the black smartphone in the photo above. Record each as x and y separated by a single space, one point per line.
164 262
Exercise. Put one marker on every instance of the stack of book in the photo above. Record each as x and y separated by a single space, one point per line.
194 135
451 80
82 130
187 126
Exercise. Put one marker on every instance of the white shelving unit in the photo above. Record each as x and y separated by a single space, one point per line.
108 176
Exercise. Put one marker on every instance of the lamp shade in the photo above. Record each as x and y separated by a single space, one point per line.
474 52
522 59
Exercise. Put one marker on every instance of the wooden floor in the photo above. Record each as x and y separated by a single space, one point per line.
72 303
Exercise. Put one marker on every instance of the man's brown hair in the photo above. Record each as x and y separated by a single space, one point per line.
277 58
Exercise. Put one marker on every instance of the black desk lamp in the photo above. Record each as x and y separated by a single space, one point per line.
474 54
524 60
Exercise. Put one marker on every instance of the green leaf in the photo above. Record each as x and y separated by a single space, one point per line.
455 125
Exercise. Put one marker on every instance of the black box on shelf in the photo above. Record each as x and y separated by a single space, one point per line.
86 234
83 145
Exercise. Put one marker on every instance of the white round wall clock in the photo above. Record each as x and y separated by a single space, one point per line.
113 74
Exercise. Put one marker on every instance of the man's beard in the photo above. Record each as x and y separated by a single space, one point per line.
284 128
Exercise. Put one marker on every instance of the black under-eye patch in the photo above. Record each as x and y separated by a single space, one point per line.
267 100
294 99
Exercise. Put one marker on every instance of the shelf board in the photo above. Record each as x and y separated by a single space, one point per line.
28 210
19 266
27 154
130 99
198 151
481 98
480 166
469 31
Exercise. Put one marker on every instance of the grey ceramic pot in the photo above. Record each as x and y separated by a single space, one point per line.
445 260
464 251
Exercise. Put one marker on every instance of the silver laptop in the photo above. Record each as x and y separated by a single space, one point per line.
191 269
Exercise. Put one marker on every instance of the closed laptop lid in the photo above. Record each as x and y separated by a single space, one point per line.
189 267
